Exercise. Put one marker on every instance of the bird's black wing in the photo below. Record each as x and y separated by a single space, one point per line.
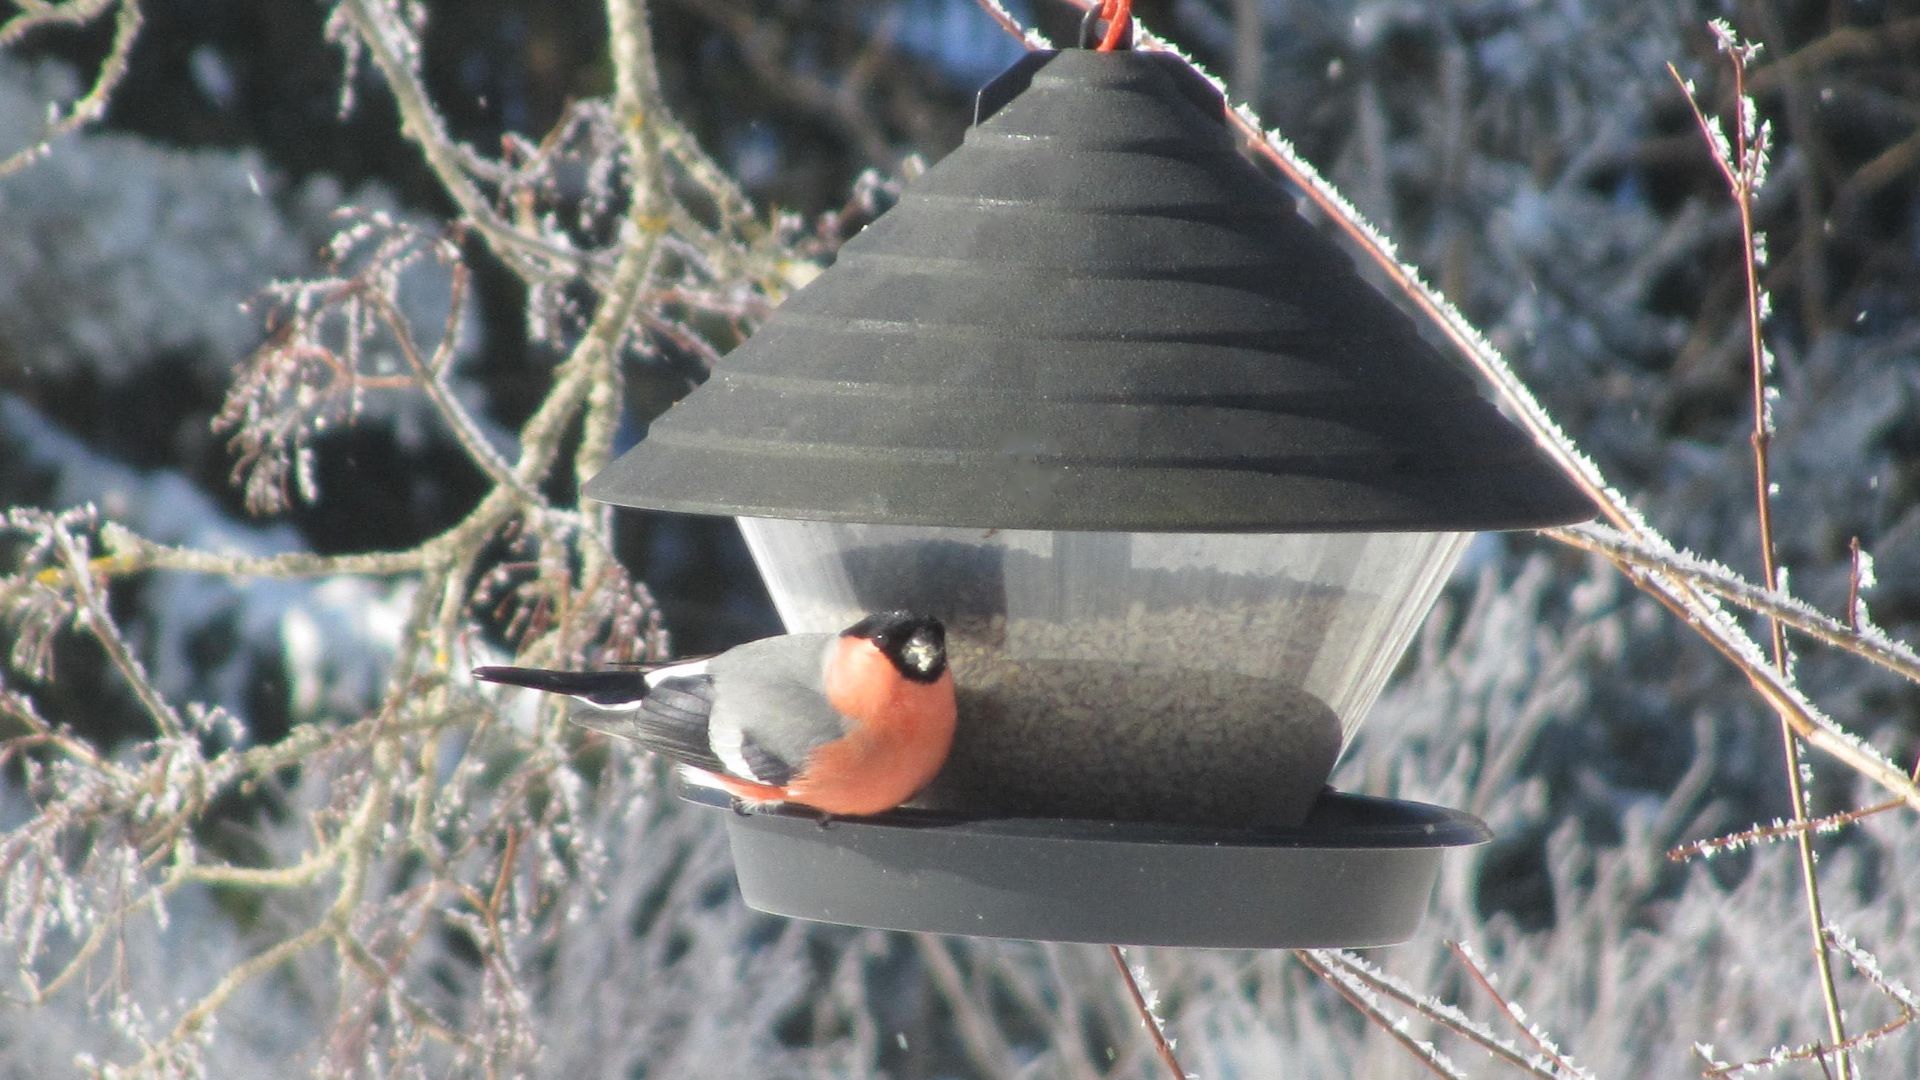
670 720
766 764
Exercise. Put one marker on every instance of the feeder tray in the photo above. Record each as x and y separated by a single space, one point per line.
1356 874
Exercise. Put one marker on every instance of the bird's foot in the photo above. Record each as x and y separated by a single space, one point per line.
741 808
826 819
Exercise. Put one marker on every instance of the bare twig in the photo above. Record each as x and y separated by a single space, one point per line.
1817 1052
980 1038
1854 636
1362 1001
1540 1042
130 553
1779 693
1144 1009
380 975
431 376
99 622
1868 967
35 14
93 104
1743 166
1445 1015
1004 18
377 27
1855 575
1779 830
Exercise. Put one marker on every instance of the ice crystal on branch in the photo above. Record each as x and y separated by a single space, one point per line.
331 342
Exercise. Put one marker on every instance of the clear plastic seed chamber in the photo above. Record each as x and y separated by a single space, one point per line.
1205 678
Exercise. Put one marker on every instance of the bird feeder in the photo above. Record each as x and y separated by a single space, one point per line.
1182 487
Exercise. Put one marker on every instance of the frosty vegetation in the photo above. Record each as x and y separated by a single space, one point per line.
258 821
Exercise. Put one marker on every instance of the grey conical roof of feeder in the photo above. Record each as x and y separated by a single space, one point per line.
1095 314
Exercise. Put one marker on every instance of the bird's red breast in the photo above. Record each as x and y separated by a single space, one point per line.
898 738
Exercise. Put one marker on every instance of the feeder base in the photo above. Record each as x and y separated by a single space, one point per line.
1356 874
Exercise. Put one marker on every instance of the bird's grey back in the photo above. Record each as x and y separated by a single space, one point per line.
772 690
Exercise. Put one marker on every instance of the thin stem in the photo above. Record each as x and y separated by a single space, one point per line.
1479 975
373 25
1817 1052
1743 176
230 984
1778 831
1446 1016
1779 693
101 625
1425 1053
22 708
1866 965
39 13
93 105
1853 584
430 376
357 954
999 14
980 1036
1865 641
1161 1047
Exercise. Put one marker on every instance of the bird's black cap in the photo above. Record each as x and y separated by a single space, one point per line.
917 644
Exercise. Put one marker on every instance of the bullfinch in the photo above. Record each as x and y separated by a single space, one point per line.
849 724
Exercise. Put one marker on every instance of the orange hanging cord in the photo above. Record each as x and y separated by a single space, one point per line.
1118 14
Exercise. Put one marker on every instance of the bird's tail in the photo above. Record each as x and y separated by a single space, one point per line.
669 717
602 688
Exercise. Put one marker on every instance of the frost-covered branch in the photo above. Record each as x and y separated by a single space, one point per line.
429 791
1551 1054
92 105
1778 830
1358 973
1743 164
388 32
1143 999
1363 1000
1859 636
1717 627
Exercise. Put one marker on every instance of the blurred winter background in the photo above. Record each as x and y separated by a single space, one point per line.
259 822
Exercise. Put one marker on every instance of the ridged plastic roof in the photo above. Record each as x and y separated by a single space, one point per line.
1095 314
